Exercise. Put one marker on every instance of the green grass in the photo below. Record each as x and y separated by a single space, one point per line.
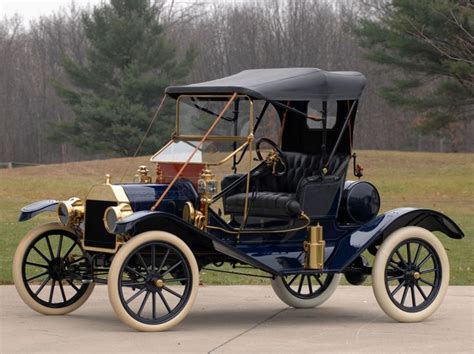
442 182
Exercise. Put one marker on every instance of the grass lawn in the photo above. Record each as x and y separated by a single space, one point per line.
444 182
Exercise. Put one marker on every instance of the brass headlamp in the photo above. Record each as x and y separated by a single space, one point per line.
114 214
71 212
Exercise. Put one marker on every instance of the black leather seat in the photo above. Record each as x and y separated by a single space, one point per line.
286 196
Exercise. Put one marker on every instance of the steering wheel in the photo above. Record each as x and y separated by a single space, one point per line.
274 159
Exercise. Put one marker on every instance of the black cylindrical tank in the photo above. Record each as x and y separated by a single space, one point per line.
360 203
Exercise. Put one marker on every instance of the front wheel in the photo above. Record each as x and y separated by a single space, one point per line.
47 270
153 281
305 290
410 275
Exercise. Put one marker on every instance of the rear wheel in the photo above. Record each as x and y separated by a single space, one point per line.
305 290
153 281
410 274
47 268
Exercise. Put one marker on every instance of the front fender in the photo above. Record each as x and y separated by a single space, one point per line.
352 245
33 209
199 241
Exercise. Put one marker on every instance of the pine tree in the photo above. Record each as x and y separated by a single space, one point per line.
431 42
113 95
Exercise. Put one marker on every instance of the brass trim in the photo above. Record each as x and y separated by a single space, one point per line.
100 249
143 176
224 160
108 192
159 283
259 231
247 184
159 174
314 248
199 221
211 138
314 118
206 177
228 157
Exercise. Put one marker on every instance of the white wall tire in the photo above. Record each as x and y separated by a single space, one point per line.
25 291
147 279
400 286
319 296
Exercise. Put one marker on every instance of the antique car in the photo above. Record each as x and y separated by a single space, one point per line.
253 181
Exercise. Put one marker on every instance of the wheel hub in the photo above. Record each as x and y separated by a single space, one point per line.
56 268
155 283
159 283
412 274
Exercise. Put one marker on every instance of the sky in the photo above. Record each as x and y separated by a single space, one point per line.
32 9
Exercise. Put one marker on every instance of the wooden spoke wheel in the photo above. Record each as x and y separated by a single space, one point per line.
153 281
305 290
47 268
410 274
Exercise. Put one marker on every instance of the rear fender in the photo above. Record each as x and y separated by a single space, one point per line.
31 210
199 241
352 245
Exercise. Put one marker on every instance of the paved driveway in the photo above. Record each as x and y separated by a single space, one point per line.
244 319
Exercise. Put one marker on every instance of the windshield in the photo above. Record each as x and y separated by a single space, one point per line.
195 115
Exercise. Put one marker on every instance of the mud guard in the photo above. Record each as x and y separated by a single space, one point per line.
31 210
349 248
199 242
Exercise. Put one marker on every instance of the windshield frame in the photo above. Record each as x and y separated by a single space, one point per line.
196 137
240 142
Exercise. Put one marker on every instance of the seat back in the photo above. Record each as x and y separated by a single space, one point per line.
318 196
300 166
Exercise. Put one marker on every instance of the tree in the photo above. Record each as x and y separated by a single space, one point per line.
432 43
128 64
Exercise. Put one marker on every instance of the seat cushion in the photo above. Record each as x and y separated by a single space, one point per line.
264 204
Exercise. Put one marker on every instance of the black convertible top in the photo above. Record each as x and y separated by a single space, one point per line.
292 84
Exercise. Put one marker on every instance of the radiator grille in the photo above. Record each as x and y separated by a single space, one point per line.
95 234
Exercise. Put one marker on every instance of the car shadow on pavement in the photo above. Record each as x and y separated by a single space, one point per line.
237 318
321 316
